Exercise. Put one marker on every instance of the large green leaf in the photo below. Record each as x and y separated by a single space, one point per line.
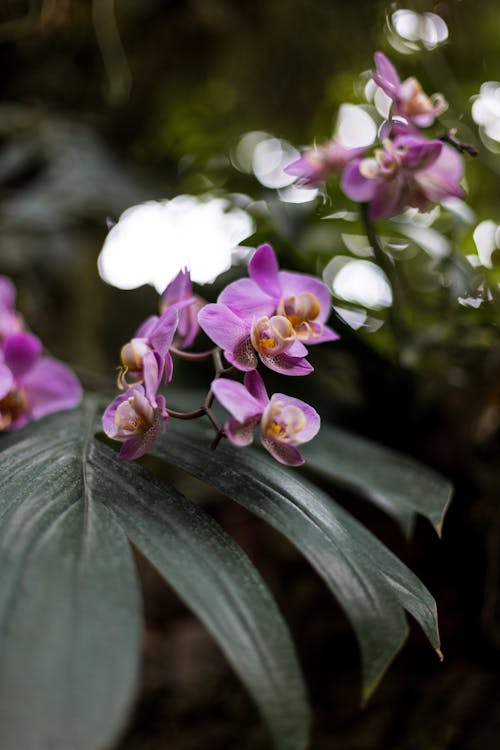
216 579
396 483
69 635
372 585
69 606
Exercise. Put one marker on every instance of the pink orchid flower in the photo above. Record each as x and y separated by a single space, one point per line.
285 422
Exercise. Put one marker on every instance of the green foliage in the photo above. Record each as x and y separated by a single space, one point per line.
69 604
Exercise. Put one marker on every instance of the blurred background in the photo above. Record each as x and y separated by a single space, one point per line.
108 104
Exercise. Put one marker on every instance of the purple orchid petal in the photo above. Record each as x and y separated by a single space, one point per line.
152 372
7 293
420 152
50 386
223 326
390 199
6 380
286 365
162 335
21 351
386 75
236 399
263 269
178 289
328 335
283 452
356 186
243 357
297 349
307 168
255 386
246 299
441 179
145 328
313 420
137 446
241 434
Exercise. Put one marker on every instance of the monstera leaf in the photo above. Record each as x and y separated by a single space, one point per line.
69 602
69 605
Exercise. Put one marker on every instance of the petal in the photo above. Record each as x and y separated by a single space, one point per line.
7 293
283 452
108 418
356 186
145 328
247 299
255 386
420 152
6 380
152 374
21 351
223 326
441 179
386 75
286 365
328 335
178 289
138 445
297 349
263 269
161 337
50 386
390 199
313 420
239 433
236 399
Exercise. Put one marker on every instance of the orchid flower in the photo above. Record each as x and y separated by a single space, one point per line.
245 339
31 385
409 170
303 300
285 422
409 100
10 320
146 356
134 420
321 162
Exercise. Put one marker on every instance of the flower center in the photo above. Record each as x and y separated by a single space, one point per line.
133 417
12 406
280 422
301 311
272 335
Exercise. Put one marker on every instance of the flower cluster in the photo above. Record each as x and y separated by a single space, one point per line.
405 168
31 384
270 317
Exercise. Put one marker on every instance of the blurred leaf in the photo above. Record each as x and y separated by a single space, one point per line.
371 584
396 483
218 582
69 604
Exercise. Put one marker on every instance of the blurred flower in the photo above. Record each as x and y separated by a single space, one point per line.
408 171
321 162
31 385
409 100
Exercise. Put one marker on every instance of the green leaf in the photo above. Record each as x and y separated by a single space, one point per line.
371 584
69 627
69 605
218 582
396 483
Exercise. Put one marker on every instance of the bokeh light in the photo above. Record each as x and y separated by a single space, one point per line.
153 241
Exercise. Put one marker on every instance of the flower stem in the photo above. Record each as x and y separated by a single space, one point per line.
386 265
